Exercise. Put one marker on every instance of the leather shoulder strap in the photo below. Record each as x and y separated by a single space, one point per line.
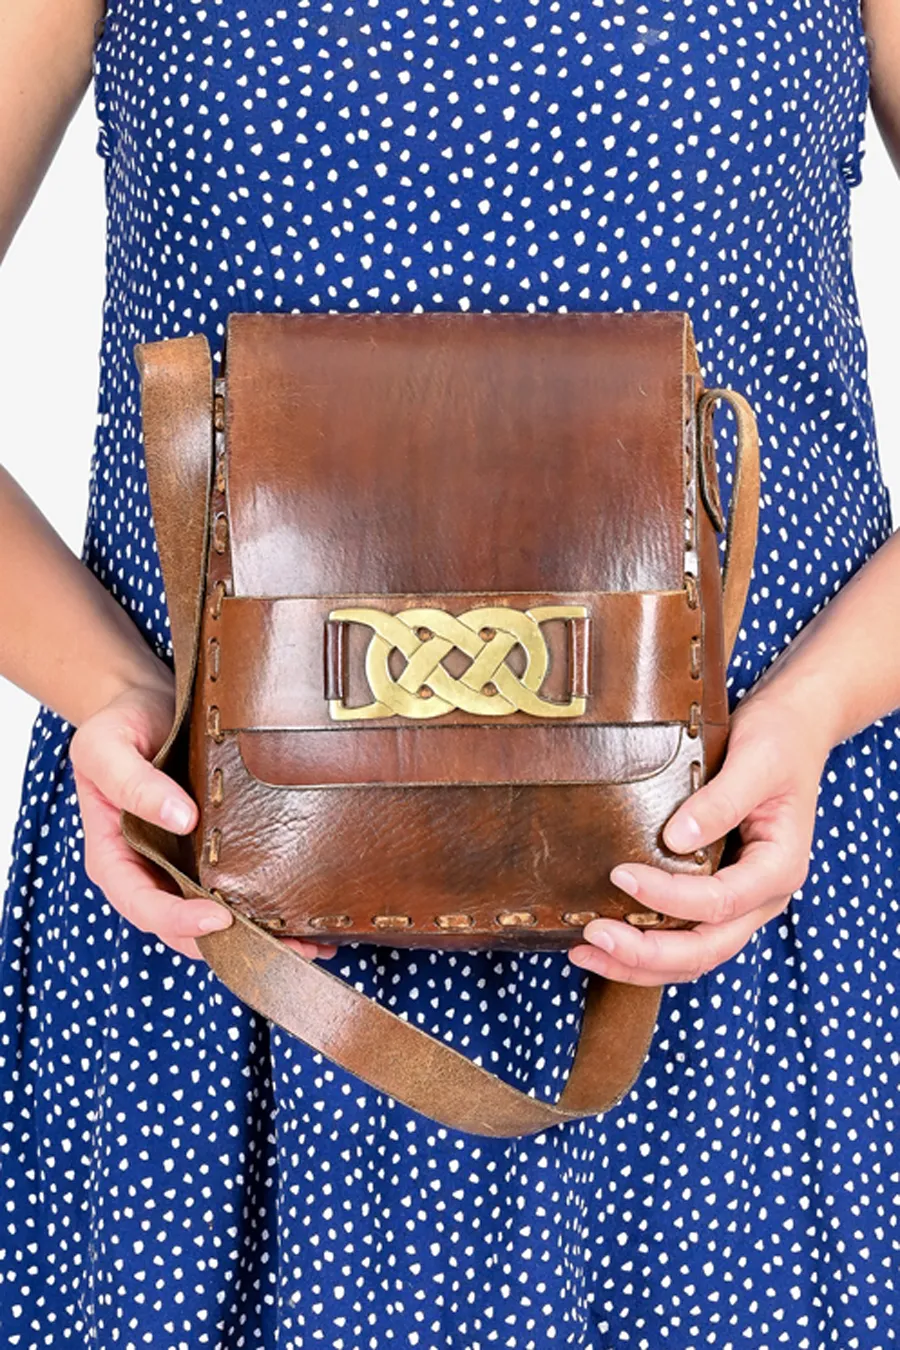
300 995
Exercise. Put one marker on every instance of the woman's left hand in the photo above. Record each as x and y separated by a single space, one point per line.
767 789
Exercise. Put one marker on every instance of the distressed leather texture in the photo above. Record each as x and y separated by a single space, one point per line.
447 465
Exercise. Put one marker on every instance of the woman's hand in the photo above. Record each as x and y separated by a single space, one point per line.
110 753
767 788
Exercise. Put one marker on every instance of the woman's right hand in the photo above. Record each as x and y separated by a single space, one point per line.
110 754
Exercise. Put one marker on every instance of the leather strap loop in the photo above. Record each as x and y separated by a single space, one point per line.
743 517
298 994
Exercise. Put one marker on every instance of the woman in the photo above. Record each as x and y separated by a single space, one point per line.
175 1173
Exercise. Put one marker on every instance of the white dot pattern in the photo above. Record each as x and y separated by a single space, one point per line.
173 1173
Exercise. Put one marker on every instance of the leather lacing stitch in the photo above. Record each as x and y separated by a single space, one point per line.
219 544
692 587
459 922
219 559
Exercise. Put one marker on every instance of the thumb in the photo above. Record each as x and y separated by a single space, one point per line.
108 756
719 806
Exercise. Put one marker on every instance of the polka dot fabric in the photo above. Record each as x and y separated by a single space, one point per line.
176 1175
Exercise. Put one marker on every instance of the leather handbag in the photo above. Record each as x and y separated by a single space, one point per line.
450 632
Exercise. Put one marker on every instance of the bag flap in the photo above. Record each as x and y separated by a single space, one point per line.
435 452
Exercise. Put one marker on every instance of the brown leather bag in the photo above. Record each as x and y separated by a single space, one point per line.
450 638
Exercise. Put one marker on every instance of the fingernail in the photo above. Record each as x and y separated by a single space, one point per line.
175 814
598 936
213 923
682 835
625 880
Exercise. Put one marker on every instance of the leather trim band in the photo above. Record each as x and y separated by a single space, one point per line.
636 669
270 659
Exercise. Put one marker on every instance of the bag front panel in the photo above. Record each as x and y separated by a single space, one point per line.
310 835
512 865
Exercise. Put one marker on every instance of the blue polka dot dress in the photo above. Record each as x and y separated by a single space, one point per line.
176 1175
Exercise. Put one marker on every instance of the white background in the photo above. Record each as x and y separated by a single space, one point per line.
51 293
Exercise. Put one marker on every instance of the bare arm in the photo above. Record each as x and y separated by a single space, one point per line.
45 68
845 663
839 674
847 660
881 20
63 637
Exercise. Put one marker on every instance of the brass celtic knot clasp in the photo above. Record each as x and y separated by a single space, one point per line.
487 634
